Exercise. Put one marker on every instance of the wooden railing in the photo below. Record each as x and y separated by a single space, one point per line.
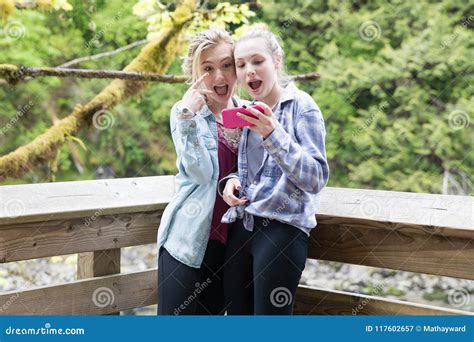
402 231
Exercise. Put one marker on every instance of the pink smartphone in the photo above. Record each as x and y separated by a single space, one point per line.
231 120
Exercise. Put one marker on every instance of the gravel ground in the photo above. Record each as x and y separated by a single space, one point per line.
413 287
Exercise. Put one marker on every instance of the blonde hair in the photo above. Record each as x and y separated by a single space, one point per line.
201 41
274 47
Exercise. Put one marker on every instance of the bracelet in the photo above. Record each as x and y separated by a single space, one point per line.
186 114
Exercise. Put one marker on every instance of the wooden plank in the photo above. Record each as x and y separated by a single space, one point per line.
104 295
316 301
53 201
401 247
50 201
36 240
430 210
99 263
95 296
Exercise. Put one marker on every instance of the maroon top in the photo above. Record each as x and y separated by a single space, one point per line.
227 157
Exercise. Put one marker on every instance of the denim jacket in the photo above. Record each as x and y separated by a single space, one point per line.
186 222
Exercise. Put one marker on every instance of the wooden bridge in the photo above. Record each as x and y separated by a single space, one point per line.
413 232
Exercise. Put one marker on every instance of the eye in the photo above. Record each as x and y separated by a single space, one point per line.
208 69
227 65
240 65
258 62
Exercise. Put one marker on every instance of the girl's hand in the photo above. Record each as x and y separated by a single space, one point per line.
231 187
195 98
265 122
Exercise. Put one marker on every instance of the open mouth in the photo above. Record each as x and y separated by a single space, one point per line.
221 90
254 85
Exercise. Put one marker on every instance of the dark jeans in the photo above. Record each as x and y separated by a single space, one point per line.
184 290
263 267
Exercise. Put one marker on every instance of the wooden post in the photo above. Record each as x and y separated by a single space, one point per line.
97 264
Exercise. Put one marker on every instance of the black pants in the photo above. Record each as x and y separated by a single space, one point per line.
184 290
263 268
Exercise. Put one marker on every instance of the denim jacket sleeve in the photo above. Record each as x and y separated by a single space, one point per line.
193 158
303 161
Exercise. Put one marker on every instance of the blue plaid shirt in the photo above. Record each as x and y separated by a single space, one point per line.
294 170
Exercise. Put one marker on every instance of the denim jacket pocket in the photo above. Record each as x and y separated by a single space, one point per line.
271 168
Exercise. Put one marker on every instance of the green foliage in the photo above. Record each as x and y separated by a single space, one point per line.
219 14
396 88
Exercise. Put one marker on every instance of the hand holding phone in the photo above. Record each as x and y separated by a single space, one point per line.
231 120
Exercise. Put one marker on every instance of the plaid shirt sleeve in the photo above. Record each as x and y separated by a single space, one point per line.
303 161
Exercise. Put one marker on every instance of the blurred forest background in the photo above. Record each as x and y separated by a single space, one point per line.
396 88
396 92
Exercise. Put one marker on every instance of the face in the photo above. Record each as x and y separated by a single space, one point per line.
256 68
219 63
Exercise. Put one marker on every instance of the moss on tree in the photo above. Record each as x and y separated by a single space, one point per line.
155 57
